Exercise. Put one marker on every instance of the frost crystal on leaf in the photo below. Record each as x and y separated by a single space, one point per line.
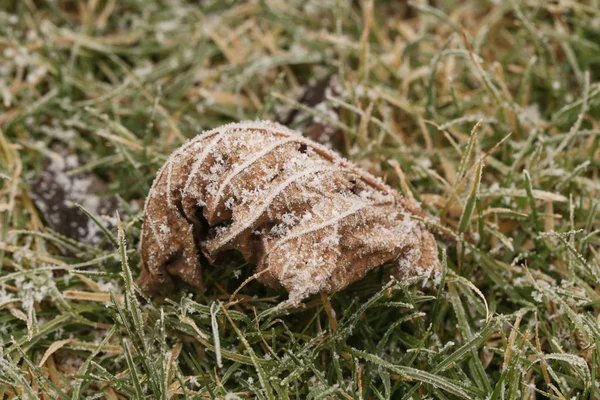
309 219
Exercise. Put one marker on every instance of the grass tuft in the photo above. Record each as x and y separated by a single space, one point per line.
486 112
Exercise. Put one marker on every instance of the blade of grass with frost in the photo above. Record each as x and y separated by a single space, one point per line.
570 53
386 336
462 390
467 118
131 303
51 288
514 376
265 382
437 304
578 170
302 365
163 363
593 93
230 371
181 381
530 197
592 269
215 331
26 343
577 125
572 316
589 223
293 364
501 237
483 76
575 362
100 225
107 376
18 380
230 355
59 240
525 85
42 381
135 325
134 168
107 162
322 393
83 370
139 343
268 108
310 349
98 261
462 167
433 67
387 385
270 62
201 309
464 284
419 338
115 126
20 273
480 225
468 347
133 372
475 366
335 364
437 14
384 126
34 108
315 316
346 326
465 217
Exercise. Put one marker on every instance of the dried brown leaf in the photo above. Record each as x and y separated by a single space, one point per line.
308 219
56 192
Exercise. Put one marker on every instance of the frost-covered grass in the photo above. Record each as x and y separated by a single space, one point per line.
427 98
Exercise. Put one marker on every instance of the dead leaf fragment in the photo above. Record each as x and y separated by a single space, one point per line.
56 192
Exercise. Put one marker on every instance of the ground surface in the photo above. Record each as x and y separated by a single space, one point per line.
95 95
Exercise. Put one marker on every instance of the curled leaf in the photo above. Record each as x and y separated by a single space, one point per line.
308 219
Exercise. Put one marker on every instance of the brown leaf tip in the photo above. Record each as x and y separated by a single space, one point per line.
310 220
